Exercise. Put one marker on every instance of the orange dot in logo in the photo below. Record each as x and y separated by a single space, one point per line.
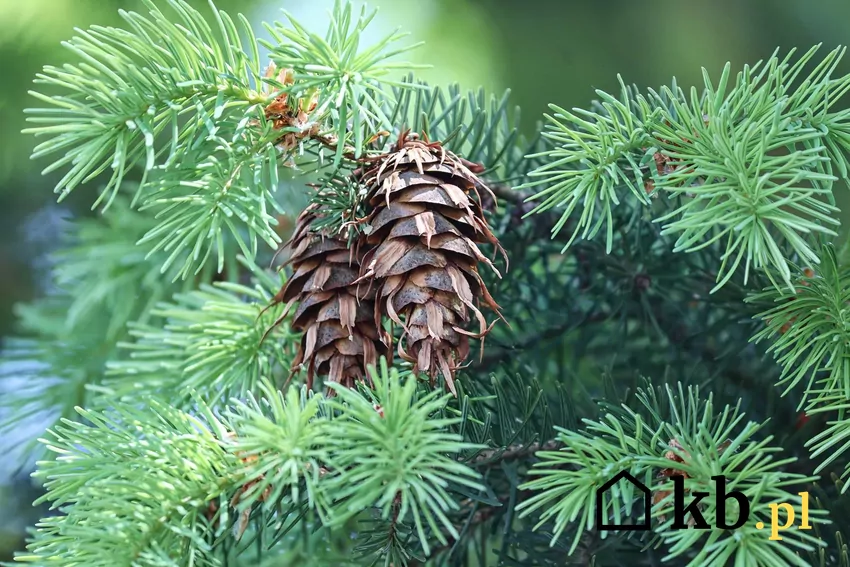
759 525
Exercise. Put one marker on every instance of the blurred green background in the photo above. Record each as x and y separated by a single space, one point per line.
543 50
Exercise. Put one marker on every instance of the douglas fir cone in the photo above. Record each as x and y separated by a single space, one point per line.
425 223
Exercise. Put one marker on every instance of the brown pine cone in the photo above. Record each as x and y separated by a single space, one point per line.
425 227
336 314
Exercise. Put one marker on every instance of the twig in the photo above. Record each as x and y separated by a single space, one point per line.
509 194
394 520
491 456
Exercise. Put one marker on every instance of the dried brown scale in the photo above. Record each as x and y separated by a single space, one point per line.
426 225
336 314
283 112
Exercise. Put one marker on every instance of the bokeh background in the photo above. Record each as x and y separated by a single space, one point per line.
543 50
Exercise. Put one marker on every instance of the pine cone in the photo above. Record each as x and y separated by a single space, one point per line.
340 337
425 225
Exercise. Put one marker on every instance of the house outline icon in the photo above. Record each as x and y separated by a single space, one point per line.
643 526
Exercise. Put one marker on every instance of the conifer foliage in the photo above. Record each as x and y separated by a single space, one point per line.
705 334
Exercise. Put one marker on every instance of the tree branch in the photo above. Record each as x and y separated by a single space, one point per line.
493 456
509 194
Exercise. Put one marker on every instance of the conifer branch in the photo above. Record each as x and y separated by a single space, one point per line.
189 454
716 148
188 102
346 85
102 281
810 341
808 332
164 479
209 341
636 440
